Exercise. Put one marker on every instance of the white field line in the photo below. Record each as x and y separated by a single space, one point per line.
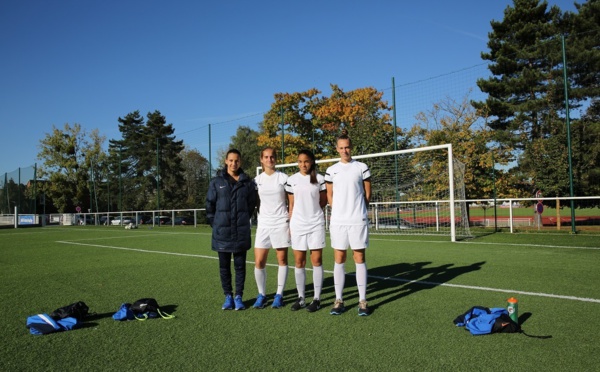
488 243
135 235
138 250
421 282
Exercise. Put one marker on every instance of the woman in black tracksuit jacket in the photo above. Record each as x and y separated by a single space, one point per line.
230 202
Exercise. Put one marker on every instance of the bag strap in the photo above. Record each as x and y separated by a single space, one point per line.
142 318
161 313
165 315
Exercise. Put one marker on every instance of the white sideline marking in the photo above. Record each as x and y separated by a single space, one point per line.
421 282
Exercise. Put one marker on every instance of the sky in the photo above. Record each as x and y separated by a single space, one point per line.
213 62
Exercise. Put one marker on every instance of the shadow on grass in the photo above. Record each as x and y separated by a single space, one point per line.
86 324
523 318
399 280
97 316
393 282
169 309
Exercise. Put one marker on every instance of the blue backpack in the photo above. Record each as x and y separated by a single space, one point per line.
145 308
42 324
481 320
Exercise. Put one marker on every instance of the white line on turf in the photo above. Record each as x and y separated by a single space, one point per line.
533 245
487 243
421 282
138 250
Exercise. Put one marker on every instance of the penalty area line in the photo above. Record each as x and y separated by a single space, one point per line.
137 250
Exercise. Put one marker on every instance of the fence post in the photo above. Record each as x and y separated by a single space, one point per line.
557 213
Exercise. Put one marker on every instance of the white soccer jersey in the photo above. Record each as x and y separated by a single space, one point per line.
307 214
273 210
349 205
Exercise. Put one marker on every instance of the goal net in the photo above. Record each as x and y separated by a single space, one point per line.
417 191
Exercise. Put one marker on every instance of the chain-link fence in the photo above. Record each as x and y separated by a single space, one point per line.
19 189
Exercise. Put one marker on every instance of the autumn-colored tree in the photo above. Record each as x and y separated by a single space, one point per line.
300 130
314 122
363 113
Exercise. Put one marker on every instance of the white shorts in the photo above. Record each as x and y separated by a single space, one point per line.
353 236
277 237
312 240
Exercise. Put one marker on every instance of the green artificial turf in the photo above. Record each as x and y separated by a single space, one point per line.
417 286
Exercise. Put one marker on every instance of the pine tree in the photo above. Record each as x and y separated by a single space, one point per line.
146 163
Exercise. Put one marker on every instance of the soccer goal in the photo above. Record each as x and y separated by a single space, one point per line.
418 191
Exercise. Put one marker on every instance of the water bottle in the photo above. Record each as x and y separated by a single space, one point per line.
512 305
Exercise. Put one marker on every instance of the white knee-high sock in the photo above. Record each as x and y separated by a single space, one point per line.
300 274
317 281
339 279
361 281
261 280
282 273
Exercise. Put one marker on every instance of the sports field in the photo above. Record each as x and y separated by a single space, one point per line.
417 286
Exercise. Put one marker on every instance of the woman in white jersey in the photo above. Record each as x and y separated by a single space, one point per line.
348 194
307 197
273 231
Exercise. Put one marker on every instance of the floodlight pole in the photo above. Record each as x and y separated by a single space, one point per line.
566 84
282 135
120 182
395 149
91 209
35 188
495 194
157 176
209 154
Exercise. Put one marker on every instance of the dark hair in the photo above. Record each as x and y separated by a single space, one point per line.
313 168
233 151
344 136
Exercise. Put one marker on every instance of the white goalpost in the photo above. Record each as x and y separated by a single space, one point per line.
416 191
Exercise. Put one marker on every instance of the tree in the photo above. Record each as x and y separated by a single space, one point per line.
526 102
246 141
146 163
300 130
196 173
66 156
126 175
583 50
459 124
314 122
12 192
524 69
586 150
170 172
364 114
